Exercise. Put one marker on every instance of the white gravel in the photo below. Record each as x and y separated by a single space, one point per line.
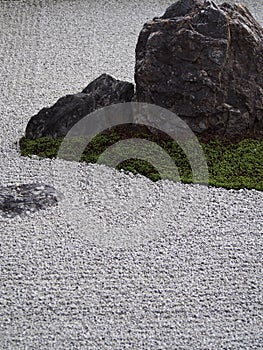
122 262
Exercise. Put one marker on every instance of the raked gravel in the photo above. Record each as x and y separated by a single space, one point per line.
121 262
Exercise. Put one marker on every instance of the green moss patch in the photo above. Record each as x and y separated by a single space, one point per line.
237 165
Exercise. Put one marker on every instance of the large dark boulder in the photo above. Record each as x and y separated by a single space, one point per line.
205 63
57 120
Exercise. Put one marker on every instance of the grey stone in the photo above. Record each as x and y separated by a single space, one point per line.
57 120
23 199
204 62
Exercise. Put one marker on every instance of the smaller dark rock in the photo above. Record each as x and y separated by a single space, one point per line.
57 120
107 90
25 198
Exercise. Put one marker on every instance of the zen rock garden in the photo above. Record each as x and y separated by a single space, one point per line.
202 61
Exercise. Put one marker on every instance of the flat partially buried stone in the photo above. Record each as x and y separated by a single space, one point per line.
25 198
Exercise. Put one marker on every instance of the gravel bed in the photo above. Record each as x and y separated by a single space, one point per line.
121 262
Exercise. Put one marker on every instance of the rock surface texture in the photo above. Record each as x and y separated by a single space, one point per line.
57 120
205 63
26 198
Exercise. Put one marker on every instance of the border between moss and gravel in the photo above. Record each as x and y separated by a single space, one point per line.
231 165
